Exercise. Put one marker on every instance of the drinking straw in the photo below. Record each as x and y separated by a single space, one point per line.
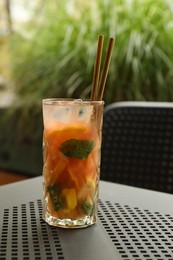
97 67
98 89
105 70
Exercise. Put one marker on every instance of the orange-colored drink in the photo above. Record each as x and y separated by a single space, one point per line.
72 142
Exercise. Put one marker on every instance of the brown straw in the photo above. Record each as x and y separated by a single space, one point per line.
97 67
105 69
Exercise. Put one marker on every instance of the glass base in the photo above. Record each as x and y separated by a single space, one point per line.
69 223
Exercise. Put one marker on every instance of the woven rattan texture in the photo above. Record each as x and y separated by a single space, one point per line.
137 146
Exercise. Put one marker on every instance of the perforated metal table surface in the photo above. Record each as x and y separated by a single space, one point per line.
133 224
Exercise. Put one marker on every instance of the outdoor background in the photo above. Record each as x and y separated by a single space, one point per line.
47 49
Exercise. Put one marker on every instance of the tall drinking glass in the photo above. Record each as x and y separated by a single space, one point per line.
71 154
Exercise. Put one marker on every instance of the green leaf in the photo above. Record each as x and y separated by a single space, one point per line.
54 196
87 208
75 148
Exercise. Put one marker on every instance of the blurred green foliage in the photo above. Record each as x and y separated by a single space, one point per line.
53 56
56 56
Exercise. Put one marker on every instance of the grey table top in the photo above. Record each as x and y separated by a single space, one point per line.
133 223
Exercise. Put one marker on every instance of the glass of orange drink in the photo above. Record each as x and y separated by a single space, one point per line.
71 155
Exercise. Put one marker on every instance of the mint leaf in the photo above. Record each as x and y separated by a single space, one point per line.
87 208
75 148
54 196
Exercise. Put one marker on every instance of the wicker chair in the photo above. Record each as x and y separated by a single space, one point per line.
137 145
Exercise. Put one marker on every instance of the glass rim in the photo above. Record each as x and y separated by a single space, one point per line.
70 101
